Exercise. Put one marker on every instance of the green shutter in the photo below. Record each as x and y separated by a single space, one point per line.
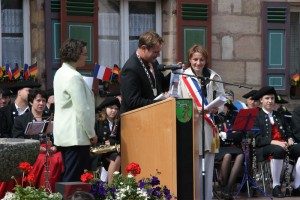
193 35
80 7
194 11
83 31
56 40
276 15
55 6
276 46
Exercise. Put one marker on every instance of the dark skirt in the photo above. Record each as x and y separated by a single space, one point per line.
97 160
234 151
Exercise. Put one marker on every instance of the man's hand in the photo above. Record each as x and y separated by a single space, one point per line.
284 145
94 139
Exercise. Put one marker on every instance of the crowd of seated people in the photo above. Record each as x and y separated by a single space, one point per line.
279 134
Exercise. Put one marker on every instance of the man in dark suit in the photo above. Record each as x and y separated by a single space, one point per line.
16 108
140 79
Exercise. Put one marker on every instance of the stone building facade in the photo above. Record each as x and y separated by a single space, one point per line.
236 40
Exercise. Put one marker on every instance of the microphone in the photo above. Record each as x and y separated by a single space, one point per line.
162 67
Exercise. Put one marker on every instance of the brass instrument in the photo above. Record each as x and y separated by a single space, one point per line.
105 149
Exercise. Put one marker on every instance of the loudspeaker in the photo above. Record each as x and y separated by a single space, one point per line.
67 189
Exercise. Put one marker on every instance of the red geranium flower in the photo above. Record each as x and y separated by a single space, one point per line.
25 166
133 168
86 177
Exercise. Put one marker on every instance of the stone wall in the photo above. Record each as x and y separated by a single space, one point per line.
236 42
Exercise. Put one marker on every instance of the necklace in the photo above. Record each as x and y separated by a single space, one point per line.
148 75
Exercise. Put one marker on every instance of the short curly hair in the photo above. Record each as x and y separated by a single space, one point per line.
71 50
33 94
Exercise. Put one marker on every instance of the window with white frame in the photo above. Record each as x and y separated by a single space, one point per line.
15 31
120 24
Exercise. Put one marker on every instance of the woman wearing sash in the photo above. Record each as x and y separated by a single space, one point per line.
192 87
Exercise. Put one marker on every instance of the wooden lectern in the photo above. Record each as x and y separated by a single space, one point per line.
162 136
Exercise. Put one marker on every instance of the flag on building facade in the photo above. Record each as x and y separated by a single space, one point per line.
116 70
1 72
33 69
102 73
26 72
16 71
8 72
296 77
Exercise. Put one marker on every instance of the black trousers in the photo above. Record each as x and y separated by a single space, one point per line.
295 151
277 152
75 160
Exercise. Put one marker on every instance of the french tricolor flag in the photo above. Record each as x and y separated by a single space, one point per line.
101 72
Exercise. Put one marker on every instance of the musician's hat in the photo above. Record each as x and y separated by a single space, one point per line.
23 84
108 101
249 94
267 90
5 91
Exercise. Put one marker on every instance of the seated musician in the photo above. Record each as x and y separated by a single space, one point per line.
108 131
37 99
250 102
229 149
274 139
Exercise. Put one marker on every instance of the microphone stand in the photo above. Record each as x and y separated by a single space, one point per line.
202 110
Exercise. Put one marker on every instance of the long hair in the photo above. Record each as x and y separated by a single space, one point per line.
102 115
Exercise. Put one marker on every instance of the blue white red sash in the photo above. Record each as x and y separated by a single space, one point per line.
196 92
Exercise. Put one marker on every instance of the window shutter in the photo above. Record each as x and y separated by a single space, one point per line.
275 45
80 21
193 26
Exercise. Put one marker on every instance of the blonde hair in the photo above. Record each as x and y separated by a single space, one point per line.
197 49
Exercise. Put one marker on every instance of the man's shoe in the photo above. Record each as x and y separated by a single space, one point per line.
277 192
296 192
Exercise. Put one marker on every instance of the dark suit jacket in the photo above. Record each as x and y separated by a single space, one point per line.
19 127
136 89
264 136
7 119
296 123
103 132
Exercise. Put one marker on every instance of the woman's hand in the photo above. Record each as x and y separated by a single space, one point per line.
107 142
53 149
42 149
214 110
200 110
94 139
